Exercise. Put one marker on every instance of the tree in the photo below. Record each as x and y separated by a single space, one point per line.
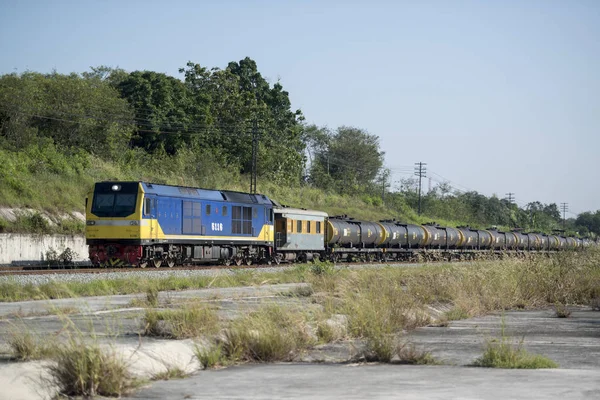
352 158
167 114
243 102
590 221
75 112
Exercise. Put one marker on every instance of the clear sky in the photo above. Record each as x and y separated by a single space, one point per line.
496 96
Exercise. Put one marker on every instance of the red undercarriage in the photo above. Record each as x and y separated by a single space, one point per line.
104 253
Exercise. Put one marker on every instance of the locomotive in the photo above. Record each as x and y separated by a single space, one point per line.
146 224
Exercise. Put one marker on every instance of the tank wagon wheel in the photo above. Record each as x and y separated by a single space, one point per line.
276 259
238 261
248 261
170 262
157 262
143 264
227 262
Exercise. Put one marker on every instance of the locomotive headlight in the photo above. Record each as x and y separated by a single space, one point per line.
116 188
134 223
90 222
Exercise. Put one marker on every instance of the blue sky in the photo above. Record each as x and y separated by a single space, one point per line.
496 96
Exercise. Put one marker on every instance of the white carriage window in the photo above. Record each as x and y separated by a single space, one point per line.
318 226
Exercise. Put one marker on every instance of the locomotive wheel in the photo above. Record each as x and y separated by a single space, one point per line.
143 264
170 262
227 262
248 261
157 262
238 261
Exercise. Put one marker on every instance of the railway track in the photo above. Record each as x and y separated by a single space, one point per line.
28 270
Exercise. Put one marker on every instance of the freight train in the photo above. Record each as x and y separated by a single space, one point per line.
145 224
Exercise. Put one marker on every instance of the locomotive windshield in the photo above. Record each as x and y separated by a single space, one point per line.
114 203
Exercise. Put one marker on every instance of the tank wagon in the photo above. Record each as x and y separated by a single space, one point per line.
144 224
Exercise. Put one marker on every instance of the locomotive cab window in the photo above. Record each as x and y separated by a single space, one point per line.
224 211
208 209
147 209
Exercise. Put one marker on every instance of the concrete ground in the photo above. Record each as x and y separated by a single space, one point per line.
318 381
574 343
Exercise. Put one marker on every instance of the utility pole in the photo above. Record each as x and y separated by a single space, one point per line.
510 197
384 177
564 207
254 173
421 172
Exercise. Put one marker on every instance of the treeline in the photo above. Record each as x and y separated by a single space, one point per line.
202 126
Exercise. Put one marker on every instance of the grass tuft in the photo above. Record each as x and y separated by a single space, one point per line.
456 313
25 346
272 333
171 372
210 357
504 353
80 369
187 322
561 310
152 297
409 354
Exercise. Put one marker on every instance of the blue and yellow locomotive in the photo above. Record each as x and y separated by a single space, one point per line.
139 223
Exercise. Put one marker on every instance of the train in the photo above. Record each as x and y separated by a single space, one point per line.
143 224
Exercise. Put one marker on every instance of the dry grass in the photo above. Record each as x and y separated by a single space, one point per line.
82 369
561 310
25 346
273 333
408 353
170 372
192 320
211 356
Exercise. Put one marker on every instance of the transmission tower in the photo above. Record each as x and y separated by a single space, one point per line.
564 207
421 172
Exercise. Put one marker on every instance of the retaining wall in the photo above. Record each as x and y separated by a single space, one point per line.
19 249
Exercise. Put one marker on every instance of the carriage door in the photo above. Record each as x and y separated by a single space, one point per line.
280 231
